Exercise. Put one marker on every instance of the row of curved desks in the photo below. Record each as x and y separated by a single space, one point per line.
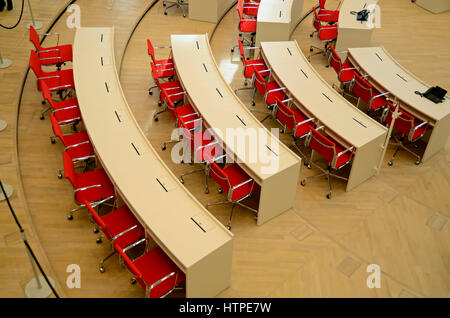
277 19
316 98
267 160
387 75
173 218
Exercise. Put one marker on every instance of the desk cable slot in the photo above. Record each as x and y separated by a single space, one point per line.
327 97
304 73
379 57
290 53
219 92
101 60
206 70
135 149
241 120
162 185
198 46
270 149
101 38
280 13
359 122
117 115
404 79
107 88
198 225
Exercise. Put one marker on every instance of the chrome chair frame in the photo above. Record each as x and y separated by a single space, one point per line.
177 3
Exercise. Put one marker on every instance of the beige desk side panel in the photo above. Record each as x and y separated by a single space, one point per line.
438 139
212 274
365 162
277 193
434 6
271 31
296 13
353 38
209 10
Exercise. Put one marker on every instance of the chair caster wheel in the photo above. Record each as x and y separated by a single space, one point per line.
327 66
311 35
310 49
229 228
102 269
132 281
245 83
417 162
164 4
232 50
70 217
43 102
282 131
155 119
253 104
150 92
42 117
308 166
159 104
220 190
95 231
53 141
165 13
181 180
302 182
329 196
163 147
59 176
207 191
98 241
390 163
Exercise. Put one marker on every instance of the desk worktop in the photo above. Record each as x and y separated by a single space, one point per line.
348 20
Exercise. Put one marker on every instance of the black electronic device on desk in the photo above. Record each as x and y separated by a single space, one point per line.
436 94
362 15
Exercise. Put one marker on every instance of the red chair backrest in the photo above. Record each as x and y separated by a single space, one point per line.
190 135
335 60
241 51
322 4
404 123
260 83
170 105
240 9
34 38
155 74
57 129
130 265
35 64
285 115
316 21
219 176
322 145
151 50
97 219
69 169
362 89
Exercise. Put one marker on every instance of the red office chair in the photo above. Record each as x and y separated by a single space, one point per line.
66 112
77 145
58 81
172 87
185 112
368 94
410 128
269 90
154 270
250 66
55 55
165 67
326 33
92 186
345 71
251 8
234 182
246 26
118 226
200 145
329 16
336 155
293 119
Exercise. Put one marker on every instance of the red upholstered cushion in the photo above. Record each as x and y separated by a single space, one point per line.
80 151
64 77
155 265
237 176
251 10
93 178
119 221
344 158
187 113
271 97
247 26
65 116
304 128
255 65
328 33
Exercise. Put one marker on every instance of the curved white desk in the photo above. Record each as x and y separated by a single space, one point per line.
276 19
174 219
388 76
222 110
314 96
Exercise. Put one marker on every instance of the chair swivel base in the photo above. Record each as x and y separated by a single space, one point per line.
177 4
325 173
400 145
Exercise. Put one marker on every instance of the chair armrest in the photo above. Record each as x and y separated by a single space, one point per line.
64 108
345 151
248 20
420 125
78 144
251 47
379 95
48 50
162 47
165 69
125 249
207 145
46 77
164 64
67 121
89 187
256 64
241 184
50 58
161 280
188 115
180 93
275 90
122 233
349 69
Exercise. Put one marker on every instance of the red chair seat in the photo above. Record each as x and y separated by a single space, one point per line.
119 221
203 141
252 11
346 75
64 77
165 71
247 26
65 103
63 54
65 116
248 72
378 102
328 15
304 128
166 63
187 113
81 151
155 265
271 97
93 194
344 158
328 33
237 176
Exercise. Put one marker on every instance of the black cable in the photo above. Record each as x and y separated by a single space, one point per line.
26 242
20 18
